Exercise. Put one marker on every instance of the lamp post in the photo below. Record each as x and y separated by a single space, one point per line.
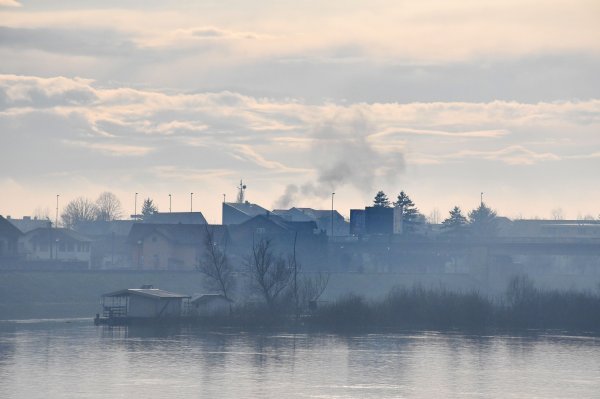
56 220
481 199
191 202
135 207
169 203
332 194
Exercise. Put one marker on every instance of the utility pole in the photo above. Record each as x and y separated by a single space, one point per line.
482 198
332 194
135 207
191 202
56 220
169 203
223 198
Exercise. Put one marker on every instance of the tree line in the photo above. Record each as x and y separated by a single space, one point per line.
105 208
481 221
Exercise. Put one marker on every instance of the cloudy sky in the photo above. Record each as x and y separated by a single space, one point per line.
443 99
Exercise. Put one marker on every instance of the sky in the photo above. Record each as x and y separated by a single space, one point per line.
442 99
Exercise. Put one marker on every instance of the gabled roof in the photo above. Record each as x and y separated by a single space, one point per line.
105 228
306 214
247 208
146 292
27 223
320 213
292 214
48 233
175 218
182 234
280 222
8 229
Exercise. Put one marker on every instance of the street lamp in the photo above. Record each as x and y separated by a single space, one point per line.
332 194
56 221
169 203
191 202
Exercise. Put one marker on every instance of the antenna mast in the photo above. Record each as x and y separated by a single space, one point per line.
241 196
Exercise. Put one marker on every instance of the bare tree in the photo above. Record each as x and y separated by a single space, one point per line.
109 207
41 213
215 264
558 214
314 287
305 289
77 211
269 271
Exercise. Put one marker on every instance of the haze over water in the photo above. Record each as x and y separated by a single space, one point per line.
74 359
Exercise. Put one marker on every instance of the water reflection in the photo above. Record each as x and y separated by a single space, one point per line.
73 360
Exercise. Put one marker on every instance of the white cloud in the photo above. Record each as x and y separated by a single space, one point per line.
112 149
512 155
151 136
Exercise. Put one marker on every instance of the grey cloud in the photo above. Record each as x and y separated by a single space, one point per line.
87 42
21 92
544 77
209 32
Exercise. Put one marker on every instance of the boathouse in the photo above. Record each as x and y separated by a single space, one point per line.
143 303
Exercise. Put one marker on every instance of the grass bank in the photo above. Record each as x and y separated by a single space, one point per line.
523 306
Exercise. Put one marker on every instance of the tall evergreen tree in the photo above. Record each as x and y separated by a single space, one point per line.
381 200
411 217
483 221
148 208
456 222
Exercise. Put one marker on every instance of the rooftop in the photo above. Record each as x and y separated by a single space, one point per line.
146 292
191 234
247 208
175 218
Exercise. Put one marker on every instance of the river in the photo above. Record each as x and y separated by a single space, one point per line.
75 359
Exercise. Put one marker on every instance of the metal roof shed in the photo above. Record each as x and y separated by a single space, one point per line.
149 303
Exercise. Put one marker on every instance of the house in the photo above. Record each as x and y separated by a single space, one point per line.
211 305
175 218
171 246
28 223
56 245
142 303
240 212
272 227
321 217
9 242
109 248
284 236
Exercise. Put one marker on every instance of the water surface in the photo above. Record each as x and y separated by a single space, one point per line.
74 359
